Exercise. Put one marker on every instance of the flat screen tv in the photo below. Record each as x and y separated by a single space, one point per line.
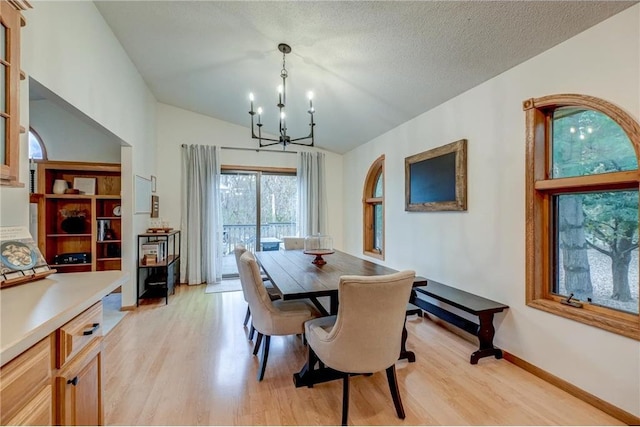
436 180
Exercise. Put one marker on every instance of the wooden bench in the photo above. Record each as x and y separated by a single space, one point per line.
482 307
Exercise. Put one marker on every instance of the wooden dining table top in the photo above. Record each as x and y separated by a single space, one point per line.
295 277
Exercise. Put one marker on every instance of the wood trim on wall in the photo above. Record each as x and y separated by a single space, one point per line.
368 202
589 398
540 189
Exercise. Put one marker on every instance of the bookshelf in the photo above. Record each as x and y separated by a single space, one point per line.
79 232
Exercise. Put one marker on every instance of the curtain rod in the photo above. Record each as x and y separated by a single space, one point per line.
257 150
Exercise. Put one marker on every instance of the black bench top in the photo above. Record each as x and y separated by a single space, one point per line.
465 301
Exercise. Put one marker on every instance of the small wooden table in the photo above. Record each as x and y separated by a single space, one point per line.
295 277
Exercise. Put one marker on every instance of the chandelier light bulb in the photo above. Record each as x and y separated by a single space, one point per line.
251 96
582 136
283 115
572 129
590 129
280 89
310 95
259 110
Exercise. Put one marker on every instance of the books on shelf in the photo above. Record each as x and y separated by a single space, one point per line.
153 252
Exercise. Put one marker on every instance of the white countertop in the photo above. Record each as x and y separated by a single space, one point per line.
31 311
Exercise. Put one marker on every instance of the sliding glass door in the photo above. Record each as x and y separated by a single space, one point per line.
258 209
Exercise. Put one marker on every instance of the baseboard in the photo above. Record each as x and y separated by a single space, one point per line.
605 407
127 308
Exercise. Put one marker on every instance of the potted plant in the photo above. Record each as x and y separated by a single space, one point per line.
73 221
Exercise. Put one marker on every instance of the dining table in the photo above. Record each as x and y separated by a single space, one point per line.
295 276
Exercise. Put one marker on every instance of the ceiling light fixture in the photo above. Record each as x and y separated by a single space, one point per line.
283 139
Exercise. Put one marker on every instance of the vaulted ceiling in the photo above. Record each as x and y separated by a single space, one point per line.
371 64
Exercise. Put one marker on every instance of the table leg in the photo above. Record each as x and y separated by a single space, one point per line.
333 304
319 306
486 332
308 375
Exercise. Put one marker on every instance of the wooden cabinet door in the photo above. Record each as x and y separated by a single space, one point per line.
37 412
79 391
25 387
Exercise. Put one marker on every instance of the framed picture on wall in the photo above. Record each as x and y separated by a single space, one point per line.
142 195
155 206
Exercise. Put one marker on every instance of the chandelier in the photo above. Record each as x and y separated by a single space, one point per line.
283 138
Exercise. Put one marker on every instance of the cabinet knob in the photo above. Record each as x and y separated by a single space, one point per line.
94 327
73 381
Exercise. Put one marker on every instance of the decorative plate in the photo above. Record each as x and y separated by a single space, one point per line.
17 255
319 251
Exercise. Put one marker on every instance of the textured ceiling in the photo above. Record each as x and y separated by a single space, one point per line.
371 65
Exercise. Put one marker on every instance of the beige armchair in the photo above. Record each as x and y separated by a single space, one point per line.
291 243
273 292
366 334
270 317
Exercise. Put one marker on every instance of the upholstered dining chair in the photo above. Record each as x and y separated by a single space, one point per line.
291 243
365 336
273 292
269 317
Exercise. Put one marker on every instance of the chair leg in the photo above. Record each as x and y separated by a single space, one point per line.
395 392
246 317
257 346
265 355
345 399
251 331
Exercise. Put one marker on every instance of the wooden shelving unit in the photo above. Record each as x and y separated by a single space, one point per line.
102 245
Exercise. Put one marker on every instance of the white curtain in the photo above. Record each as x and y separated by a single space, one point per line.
201 217
312 198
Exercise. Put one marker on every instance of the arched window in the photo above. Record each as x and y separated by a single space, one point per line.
373 207
37 149
582 211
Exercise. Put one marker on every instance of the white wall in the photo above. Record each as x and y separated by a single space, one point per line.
69 49
483 250
177 126
67 137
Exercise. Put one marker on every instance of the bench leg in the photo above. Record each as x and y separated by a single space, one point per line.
486 332
404 353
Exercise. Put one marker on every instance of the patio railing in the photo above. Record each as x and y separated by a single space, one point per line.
245 234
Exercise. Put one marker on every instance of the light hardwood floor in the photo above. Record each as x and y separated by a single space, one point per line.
190 363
